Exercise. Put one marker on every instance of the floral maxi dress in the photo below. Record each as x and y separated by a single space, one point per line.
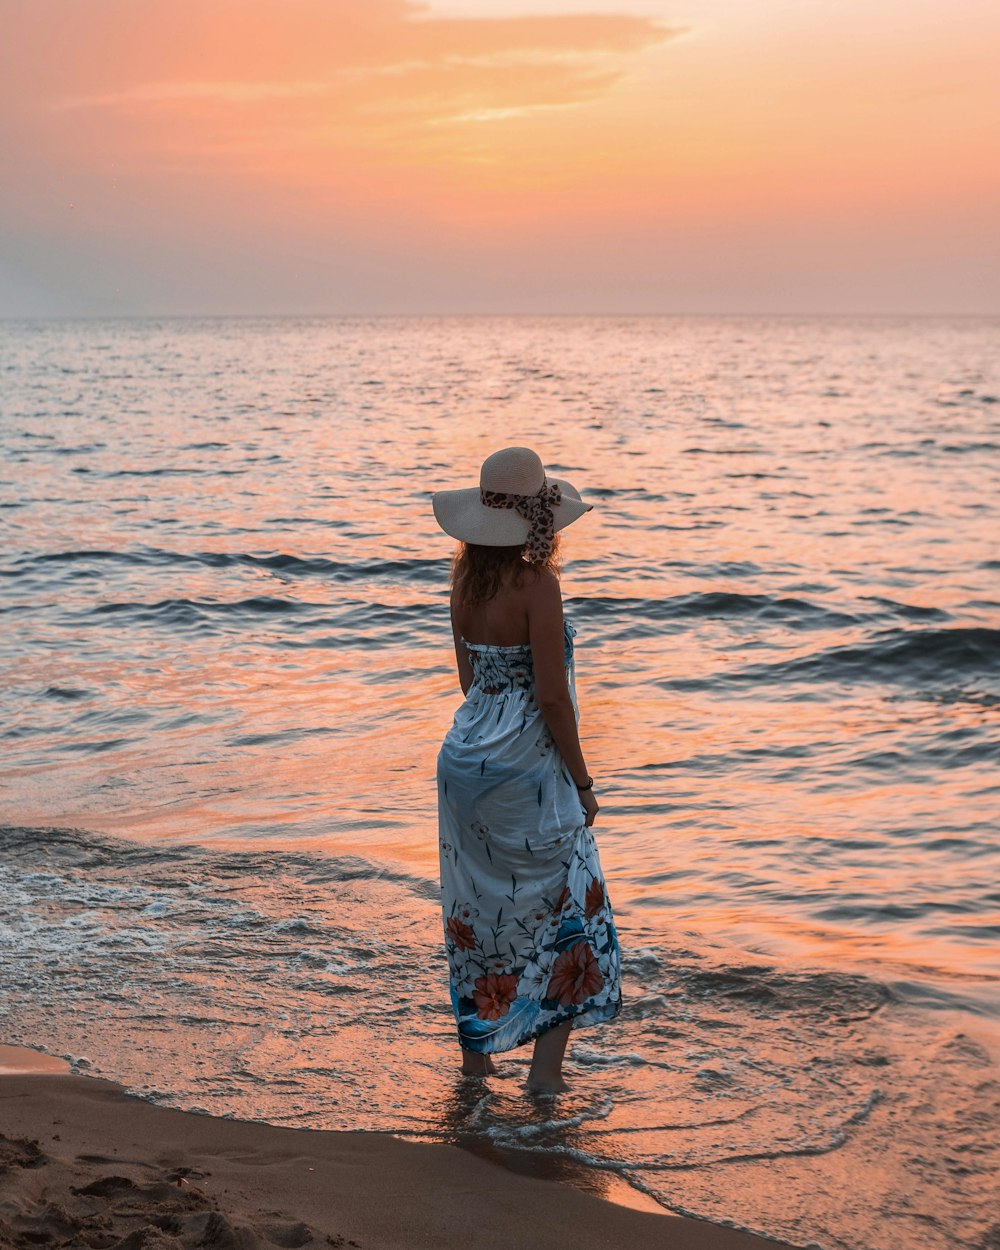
529 930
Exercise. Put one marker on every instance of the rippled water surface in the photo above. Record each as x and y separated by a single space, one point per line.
227 667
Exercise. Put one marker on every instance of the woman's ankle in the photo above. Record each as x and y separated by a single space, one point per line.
475 1063
546 1082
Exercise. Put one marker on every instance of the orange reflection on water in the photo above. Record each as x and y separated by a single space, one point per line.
230 629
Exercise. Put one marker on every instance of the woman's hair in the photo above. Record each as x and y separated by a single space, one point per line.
477 573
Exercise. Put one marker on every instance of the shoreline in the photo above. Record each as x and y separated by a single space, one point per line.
82 1159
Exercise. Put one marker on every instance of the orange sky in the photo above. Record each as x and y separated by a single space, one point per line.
487 155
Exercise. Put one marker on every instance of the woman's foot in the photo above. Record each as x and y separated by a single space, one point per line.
546 1085
474 1064
545 1075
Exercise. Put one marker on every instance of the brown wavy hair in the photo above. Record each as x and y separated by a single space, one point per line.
477 572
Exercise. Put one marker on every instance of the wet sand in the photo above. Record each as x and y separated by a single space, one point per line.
82 1163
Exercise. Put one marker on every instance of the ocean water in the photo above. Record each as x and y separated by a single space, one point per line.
226 668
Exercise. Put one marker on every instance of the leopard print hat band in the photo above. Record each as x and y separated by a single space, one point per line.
536 510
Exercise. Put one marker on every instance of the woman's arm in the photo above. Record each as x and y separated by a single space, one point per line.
548 643
461 654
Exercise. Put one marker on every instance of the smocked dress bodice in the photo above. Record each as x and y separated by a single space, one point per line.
502 670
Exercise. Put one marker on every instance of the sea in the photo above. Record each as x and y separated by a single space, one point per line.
226 667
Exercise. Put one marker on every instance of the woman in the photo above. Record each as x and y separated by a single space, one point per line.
531 942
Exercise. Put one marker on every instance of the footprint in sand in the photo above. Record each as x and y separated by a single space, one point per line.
166 1211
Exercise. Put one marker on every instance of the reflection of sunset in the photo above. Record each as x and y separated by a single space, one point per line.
753 738
226 640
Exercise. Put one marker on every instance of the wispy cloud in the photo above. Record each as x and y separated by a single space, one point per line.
384 59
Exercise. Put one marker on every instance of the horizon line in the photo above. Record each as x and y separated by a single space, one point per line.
357 316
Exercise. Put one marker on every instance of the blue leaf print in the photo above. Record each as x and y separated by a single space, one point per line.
539 794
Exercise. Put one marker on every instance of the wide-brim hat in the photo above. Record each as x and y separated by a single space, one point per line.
515 472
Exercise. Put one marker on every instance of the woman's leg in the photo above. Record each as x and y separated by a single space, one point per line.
545 1076
475 1064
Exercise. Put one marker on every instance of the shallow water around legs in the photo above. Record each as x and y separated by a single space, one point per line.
227 668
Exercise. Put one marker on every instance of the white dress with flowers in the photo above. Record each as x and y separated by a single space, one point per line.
529 931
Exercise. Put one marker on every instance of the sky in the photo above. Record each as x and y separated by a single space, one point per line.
499 156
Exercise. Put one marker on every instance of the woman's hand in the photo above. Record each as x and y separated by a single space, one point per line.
589 805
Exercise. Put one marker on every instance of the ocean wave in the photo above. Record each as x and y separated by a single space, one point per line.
167 471
186 611
278 562
928 658
353 622
712 603
83 850
765 988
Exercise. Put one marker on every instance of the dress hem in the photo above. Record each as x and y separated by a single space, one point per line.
585 1020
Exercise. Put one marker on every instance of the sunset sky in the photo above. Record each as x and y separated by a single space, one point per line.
255 156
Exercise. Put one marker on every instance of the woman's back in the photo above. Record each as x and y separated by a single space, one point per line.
501 621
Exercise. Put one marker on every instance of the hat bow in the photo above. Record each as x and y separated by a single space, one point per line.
536 510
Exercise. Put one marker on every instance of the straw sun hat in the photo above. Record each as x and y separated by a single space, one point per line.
514 504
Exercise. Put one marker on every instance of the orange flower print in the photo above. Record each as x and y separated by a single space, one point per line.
493 995
595 897
575 976
461 934
562 900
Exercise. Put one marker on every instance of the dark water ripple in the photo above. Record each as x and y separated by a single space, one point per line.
798 613
280 562
924 659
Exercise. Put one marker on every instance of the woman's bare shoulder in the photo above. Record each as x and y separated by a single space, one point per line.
542 592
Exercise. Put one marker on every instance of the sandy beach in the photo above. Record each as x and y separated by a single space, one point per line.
84 1164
